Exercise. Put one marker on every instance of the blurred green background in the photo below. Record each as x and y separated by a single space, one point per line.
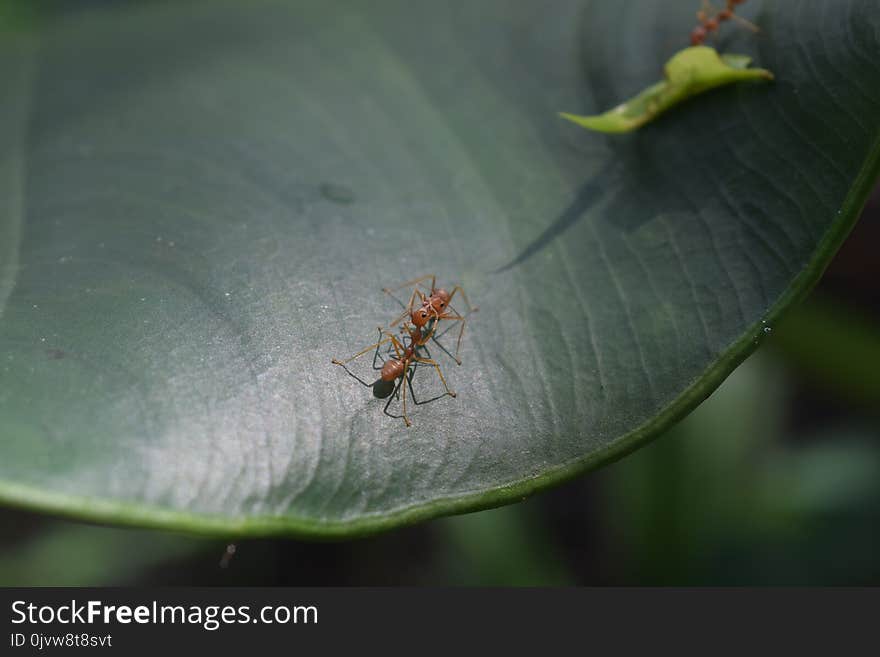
774 480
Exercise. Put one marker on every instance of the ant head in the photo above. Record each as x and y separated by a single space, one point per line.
420 317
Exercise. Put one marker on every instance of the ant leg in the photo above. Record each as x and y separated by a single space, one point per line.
409 304
436 340
404 316
336 361
455 318
401 317
405 418
448 328
463 322
407 308
413 283
428 361
728 14
358 355
424 348
746 24
470 309
412 393
458 342
398 347
356 377
459 288
376 354
444 350
391 397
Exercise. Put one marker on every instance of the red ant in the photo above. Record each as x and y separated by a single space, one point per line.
711 22
434 306
398 366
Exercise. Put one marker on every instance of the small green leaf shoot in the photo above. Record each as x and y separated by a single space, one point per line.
688 73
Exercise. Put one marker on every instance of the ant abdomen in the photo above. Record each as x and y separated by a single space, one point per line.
392 369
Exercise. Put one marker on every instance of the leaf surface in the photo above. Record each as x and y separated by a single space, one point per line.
202 201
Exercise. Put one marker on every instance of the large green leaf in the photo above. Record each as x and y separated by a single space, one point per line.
200 202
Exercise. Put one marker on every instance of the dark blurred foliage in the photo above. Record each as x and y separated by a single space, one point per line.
774 480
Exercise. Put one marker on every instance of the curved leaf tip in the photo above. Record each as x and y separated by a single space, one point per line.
688 73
